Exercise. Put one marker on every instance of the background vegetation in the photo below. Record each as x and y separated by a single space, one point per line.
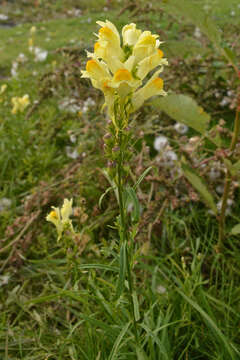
188 293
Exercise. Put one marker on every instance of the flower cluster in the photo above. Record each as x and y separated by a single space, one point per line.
60 217
120 67
20 103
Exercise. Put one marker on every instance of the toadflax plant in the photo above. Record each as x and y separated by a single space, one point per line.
121 68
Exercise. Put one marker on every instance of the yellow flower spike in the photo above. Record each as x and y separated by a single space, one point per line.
119 71
60 217
20 103
33 30
30 42
3 88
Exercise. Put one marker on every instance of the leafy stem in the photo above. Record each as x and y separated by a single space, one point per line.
123 231
227 185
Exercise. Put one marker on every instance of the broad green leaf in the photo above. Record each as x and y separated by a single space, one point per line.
200 186
122 270
184 109
236 230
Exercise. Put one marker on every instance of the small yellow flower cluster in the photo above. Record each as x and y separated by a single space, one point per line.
3 88
120 69
60 217
20 103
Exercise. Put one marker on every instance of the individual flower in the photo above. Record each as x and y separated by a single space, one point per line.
160 142
21 58
5 204
71 152
14 68
3 88
33 30
40 54
3 17
181 128
229 205
20 103
60 217
169 158
119 67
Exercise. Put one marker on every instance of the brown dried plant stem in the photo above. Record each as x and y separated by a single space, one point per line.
227 185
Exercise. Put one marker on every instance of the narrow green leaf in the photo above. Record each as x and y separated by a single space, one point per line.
98 266
236 230
136 306
211 324
184 109
114 353
111 182
122 270
103 195
200 186
132 200
141 177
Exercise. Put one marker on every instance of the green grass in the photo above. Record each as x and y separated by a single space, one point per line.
188 295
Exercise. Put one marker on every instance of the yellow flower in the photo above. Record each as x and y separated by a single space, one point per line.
149 63
3 88
30 42
33 30
120 70
20 103
130 34
60 217
153 87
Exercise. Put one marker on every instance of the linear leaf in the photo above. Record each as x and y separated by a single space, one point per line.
122 270
136 306
132 200
98 266
210 323
116 346
141 177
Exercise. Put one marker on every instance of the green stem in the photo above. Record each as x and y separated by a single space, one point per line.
123 230
227 186
130 282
